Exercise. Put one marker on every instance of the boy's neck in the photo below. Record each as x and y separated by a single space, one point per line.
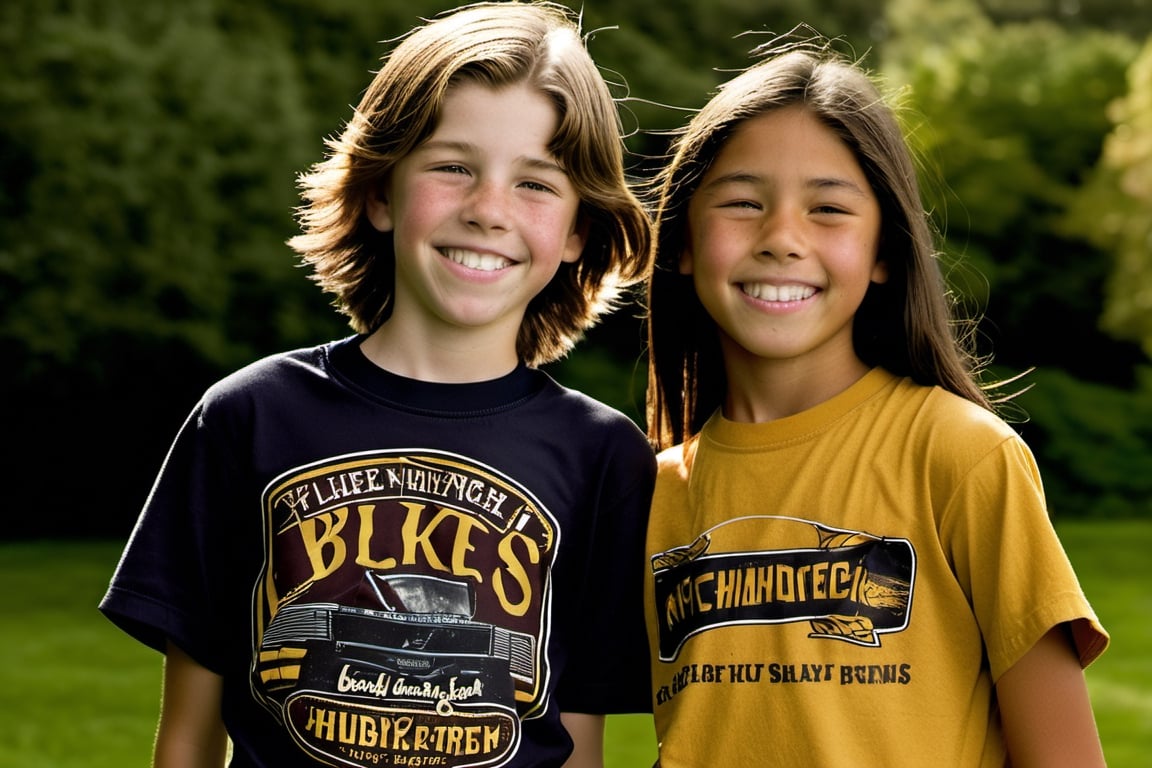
449 359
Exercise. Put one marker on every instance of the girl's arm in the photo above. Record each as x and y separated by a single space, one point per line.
191 733
1045 708
587 733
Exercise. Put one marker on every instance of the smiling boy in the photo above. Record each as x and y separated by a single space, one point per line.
411 546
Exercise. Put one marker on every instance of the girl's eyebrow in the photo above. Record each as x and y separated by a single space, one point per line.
820 182
736 177
839 183
538 163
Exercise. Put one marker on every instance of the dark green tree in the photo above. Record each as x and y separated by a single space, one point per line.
149 152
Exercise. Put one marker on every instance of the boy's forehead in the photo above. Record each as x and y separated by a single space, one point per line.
473 114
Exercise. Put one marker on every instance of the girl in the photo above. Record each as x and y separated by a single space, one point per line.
410 546
851 558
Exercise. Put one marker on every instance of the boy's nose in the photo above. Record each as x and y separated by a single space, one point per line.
487 206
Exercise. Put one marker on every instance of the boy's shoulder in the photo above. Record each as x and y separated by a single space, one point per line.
571 409
269 373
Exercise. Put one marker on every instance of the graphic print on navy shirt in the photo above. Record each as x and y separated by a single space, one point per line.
403 609
764 569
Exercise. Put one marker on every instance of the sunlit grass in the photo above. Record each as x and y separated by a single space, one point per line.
77 693
1112 559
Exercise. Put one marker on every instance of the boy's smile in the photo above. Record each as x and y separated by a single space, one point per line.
482 216
482 261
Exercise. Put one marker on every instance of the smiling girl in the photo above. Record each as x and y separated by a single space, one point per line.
851 561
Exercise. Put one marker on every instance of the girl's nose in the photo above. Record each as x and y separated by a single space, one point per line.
780 237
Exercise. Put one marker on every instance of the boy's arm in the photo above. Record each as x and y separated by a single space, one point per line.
1045 707
191 732
587 733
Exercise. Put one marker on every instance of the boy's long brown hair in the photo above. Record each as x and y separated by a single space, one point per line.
495 44
906 325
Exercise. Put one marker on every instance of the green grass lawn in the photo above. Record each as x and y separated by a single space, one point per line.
77 693
1115 567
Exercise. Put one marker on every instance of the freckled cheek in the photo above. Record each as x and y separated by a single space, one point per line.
853 250
434 197
716 247
548 229
424 210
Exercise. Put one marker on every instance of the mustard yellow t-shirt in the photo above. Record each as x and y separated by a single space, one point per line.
844 586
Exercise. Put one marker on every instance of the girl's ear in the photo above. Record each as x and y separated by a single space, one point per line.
686 262
379 212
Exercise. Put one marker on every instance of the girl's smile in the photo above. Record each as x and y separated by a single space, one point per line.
778 294
782 245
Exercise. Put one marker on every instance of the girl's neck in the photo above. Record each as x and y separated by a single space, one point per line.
762 390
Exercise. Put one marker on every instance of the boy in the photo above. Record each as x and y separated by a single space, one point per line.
410 546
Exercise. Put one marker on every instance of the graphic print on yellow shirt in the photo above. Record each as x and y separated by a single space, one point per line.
403 609
846 585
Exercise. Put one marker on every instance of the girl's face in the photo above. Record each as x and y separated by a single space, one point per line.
782 243
482 216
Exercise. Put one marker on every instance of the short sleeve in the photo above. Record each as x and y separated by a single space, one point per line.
1010 561
608 671
160 588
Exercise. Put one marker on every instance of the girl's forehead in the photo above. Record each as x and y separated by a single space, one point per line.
782 142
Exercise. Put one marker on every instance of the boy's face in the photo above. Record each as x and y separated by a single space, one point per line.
481 215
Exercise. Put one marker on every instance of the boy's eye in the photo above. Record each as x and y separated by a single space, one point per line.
828 209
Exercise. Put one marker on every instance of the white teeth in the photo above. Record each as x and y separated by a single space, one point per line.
766 292
483 261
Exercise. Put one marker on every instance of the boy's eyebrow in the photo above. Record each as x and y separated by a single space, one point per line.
820 182
541 163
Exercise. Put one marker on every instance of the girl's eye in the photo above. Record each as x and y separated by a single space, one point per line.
451 168
740 204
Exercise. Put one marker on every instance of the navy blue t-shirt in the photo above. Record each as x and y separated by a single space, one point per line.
393 572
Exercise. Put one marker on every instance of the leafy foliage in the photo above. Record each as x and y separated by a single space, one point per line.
149 151
1011 143
1113 208
1092 442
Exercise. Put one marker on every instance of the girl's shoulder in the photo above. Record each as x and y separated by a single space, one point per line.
947 428
677 460
959 414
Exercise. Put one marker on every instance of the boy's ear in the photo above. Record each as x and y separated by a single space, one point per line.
379 212
577 239
880 271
